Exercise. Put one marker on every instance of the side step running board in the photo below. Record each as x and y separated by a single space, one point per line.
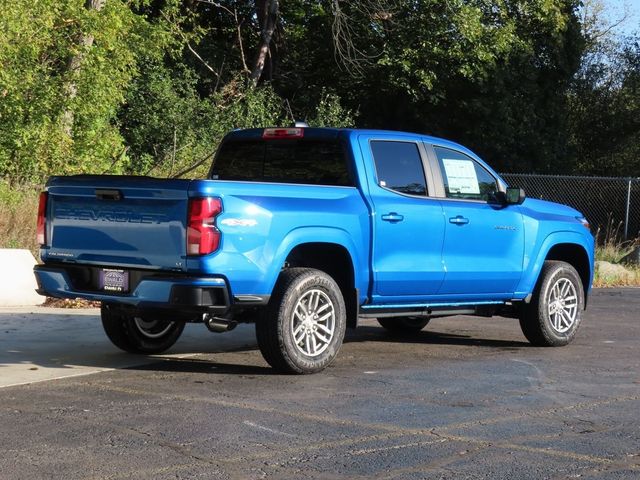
478 310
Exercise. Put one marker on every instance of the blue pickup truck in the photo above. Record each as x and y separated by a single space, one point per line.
303 231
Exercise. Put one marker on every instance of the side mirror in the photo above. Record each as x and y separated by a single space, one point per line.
498 198
515 196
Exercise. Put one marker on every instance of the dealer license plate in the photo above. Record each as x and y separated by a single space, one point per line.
112 280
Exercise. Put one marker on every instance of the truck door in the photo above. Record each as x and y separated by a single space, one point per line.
484 243
408 225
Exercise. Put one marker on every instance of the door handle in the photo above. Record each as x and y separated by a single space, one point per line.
459 220
392 217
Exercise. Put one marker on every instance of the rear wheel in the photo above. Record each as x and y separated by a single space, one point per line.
404 324
555 312
139 333
302 329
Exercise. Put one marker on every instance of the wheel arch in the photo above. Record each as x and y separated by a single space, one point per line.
335 260
570 247
576 256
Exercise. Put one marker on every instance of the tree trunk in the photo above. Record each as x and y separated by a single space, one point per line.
73 65
267 11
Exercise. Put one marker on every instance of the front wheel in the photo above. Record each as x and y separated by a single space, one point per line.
302 329
555 312
139 333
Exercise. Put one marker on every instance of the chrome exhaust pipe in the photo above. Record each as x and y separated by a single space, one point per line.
219 325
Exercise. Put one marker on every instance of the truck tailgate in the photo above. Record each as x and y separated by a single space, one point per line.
117 220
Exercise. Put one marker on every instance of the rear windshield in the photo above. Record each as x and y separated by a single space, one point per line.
316 162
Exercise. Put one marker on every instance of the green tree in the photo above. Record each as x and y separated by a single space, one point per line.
493 75
150 87
605 111
65 72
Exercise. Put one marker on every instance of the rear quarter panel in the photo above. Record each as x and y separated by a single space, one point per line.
262 222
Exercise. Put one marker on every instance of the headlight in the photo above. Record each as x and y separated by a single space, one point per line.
584 222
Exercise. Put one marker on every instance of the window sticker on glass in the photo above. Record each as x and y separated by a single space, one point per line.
461 176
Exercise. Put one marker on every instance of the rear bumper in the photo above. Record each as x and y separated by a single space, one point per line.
199 294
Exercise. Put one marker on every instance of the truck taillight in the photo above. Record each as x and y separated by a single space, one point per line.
202 235
41 232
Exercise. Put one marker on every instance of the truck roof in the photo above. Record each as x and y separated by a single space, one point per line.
328 133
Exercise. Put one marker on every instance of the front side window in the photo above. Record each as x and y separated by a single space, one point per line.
399 166
463 177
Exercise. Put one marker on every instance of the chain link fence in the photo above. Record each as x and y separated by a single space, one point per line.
611 204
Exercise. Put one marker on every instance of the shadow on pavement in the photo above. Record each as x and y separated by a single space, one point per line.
360 335
427 337
189 365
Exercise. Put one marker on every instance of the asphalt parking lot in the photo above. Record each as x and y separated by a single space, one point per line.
466 398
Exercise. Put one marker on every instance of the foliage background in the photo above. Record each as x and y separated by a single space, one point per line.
149 87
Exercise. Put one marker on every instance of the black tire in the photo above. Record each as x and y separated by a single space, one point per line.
283 335
553 316
404 324
139 333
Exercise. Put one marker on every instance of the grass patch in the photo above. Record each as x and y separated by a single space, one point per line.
610 248
632 279
18 214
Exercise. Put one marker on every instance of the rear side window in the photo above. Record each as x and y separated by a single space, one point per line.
316 162
464 178
399 166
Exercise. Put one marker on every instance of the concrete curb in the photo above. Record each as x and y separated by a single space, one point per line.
17 282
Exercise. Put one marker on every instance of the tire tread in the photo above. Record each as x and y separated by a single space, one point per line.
269 327
120 329
531 319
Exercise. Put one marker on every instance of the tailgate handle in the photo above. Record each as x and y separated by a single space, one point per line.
102 194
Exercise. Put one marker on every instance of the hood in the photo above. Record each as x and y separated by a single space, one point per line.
551 208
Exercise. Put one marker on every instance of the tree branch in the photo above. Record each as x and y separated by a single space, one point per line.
194 166
234 14
186 41
85 42
116 160
197 55
346 51
268 24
